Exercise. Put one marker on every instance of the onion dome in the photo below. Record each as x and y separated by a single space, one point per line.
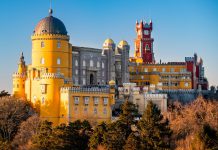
123 43
108 42
50 25
112 82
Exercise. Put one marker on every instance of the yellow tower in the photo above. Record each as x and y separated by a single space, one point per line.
19 78
51 66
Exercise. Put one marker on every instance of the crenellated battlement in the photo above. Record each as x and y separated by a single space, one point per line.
86 89
52 75
155 96
19 75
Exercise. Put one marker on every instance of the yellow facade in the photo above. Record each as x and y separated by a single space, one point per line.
171 76
45 80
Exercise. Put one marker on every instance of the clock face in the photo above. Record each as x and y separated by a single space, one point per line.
146 32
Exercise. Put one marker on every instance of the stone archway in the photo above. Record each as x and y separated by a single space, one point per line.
91 78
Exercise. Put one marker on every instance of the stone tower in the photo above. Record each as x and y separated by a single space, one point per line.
109 52
123 48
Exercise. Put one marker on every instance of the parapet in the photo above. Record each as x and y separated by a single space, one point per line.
19 75
91 89
52 75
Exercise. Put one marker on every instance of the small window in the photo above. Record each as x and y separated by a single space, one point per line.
76 81
84 63
145 69
105 101
76 72
34 99
84 72
186 84
76 100
86 100
154 69
76 62
42 44
59 44
43 100
58 61
103 74
98 64
105 111
171 69
91 63
84 81
96 99
42 61
102 65
58 70
163 69
85 110
95 111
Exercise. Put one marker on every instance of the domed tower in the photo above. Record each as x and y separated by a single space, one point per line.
51 66
19 79
124 48
109 52
51 49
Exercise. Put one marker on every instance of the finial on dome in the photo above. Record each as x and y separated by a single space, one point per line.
50 9
50 12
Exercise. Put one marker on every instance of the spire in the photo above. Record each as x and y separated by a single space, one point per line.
50 9
21 58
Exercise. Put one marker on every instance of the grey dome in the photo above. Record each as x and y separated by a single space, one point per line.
50 25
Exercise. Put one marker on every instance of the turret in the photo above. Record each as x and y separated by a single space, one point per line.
19 79
109 52
144 43
124 48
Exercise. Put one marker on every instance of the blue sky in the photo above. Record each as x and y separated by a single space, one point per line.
180 28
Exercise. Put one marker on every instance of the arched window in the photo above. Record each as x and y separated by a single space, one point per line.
59 44
95 111
42 44
102 64
76 62
91 63
147 47
58 61
84 63
42 61
98 64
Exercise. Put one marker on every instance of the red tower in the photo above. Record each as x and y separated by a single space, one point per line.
144 42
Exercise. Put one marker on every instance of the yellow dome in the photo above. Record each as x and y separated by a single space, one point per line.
112 82
123 43
108 41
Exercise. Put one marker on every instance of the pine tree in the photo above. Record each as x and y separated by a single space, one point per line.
97 136
132 142
154 130
119 131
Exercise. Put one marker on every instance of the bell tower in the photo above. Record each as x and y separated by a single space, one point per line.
144 42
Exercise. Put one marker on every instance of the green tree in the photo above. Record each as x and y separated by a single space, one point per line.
154 130
119 131
97 137
132 142
4 93
43 138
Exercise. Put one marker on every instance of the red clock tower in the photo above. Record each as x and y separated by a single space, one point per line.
144 42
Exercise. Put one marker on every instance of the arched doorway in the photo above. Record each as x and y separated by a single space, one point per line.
91 79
